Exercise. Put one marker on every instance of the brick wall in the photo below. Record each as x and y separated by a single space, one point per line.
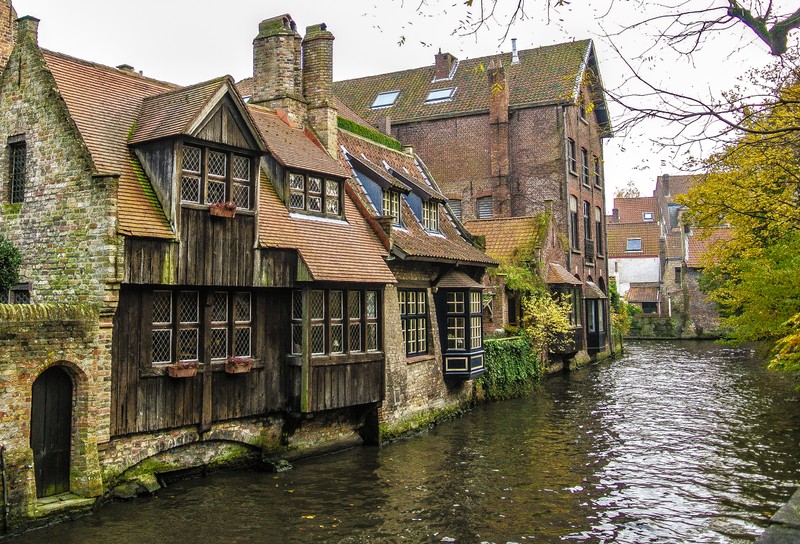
34 338
65 229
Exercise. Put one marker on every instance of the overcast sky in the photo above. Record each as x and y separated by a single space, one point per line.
188 41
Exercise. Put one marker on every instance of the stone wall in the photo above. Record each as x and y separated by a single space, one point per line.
34 338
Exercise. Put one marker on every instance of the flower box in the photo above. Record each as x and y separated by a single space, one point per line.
238 365
223 209
182 370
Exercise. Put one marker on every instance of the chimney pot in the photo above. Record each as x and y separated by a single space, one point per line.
514 54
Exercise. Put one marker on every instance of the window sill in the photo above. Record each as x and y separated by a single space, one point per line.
155 371
205 207
347 358
575 251
416 359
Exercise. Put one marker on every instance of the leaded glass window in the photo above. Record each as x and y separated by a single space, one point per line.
315 195
188 326
162 327
17 177
219 325
210 176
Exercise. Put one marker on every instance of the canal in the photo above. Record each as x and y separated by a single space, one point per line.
675 442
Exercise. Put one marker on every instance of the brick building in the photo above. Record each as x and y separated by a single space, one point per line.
510 136
206 276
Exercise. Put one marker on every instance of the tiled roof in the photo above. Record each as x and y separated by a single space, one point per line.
104 103
412 240
507 236
591 290
293 147
458 280
619 233
332 250
557 274
631 209
171 113
702 241
545 75
643 292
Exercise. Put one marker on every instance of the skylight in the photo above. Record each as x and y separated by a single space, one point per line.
633 244
440 95
384 100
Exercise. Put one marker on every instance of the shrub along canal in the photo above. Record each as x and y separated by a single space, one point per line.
675 442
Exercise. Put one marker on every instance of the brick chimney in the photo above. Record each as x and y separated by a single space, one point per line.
665 185
318 83
443 65
615 215
498 139
8 31
277 77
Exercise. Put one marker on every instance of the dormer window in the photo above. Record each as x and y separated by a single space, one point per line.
314 194
210 176
391 205
430 216
440 95
384 100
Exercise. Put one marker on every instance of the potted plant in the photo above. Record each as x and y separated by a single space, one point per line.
238 365
182 369
223 209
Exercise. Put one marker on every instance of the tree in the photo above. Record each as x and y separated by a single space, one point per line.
754 186
629 191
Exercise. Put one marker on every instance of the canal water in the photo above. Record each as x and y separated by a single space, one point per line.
675 442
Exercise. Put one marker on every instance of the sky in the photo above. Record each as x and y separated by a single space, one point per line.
189 41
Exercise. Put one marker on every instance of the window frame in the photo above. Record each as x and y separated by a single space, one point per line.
648 217
17 169
573 226
633 247
233 184
584 167
309 195
597 178
390 198
376 106
360 324
438 95
572 160
414 324
598 225
430 215
463 321
206 322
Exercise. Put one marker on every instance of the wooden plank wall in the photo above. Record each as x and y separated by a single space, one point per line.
216 251
149 261
142 401
340 385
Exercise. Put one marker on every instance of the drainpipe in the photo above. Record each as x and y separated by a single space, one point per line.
566 187
5 487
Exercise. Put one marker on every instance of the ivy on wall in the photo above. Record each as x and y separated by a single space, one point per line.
512 368
10 261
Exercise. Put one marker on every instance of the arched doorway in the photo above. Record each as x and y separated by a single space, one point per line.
51 431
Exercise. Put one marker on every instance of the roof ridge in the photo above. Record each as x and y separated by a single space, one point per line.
126 73
189 87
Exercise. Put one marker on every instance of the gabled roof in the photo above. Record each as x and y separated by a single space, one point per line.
678 185
104 103
332 250
292 147
619 233
631 210
703 241
505 237
545 75
456 279
412 241
181 111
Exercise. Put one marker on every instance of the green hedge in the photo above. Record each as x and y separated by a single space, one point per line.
369 134
511 369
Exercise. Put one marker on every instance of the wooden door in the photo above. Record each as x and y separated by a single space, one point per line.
51 430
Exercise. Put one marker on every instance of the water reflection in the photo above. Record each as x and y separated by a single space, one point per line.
676 442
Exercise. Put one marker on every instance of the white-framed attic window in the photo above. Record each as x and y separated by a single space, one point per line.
386 99
648 216
440 95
